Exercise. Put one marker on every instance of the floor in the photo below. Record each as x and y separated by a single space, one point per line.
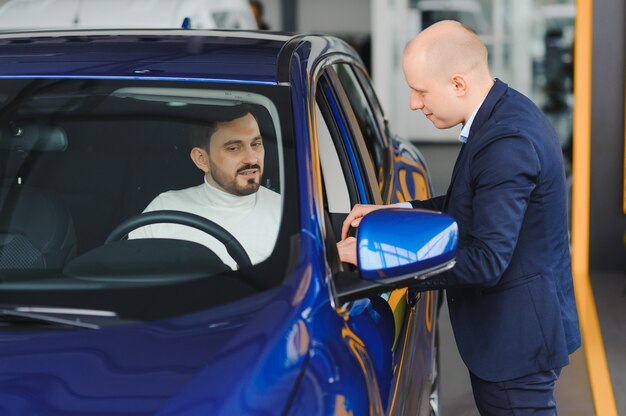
573 394
610 295
573 391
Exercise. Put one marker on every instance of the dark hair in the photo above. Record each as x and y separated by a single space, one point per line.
200 134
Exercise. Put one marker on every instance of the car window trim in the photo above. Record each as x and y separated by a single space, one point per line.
383 126
354 139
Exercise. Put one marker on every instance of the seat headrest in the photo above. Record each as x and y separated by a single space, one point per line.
37 223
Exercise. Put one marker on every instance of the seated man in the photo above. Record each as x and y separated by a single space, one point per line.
231 154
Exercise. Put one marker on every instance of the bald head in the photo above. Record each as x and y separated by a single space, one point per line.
447 48
447 69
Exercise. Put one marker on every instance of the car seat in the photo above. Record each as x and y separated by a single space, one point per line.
36 229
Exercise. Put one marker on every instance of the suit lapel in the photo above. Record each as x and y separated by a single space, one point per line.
483 114
486 109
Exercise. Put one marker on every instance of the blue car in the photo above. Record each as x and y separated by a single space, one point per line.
94 125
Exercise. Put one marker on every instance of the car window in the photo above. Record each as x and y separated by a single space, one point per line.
81 159
335 187
370 122
375 105
343 123
347 170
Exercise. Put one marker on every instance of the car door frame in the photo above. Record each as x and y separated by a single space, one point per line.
410 334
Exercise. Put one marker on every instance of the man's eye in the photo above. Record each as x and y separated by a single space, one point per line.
257 144
232 148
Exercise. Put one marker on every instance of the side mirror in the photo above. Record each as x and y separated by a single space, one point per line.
395 244
397 247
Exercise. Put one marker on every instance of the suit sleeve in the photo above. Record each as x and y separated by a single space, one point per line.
503 176
432 204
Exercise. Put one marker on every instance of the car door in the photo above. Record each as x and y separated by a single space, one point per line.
364 172
347 178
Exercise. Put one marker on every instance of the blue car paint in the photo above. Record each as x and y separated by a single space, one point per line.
333 374
141 78
132 369
384 249
309 218
416 350
294 353
154 54
411 179
169 367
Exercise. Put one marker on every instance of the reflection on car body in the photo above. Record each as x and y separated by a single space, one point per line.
93 126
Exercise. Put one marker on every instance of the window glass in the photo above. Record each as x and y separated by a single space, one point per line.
336 190
81 159
368 122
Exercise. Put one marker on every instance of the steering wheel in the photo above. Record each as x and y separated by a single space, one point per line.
234 247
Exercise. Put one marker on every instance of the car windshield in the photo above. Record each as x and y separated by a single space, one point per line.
144 198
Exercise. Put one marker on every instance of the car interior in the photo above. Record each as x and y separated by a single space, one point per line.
77 165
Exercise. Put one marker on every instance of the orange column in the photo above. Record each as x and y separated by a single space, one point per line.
600 380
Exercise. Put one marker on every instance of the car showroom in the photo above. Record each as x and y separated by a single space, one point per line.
331 207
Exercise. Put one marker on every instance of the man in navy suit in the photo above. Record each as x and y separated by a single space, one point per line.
510 295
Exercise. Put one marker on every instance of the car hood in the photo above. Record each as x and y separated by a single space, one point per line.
232 362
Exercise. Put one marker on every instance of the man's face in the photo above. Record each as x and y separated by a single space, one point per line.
236 156
431 93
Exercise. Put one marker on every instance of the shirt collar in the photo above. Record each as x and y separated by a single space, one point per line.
465 131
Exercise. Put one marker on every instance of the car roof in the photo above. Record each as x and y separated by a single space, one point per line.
235 56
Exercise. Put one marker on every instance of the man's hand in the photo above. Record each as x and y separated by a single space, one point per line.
347 250
354 217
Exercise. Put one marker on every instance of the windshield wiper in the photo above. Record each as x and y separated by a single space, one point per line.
59 316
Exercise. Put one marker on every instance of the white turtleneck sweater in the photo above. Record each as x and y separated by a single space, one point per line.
252 219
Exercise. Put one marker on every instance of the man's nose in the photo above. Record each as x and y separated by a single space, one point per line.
415 102
251 155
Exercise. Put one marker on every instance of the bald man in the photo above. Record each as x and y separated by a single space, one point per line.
510 295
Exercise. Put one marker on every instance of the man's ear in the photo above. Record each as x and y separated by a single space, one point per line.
459 84
200 158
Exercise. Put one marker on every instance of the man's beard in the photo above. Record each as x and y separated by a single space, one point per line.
232 186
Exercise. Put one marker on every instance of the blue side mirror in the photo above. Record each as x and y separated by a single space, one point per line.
397 244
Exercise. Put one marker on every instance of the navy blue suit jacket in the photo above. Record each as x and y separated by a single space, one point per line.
510 295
